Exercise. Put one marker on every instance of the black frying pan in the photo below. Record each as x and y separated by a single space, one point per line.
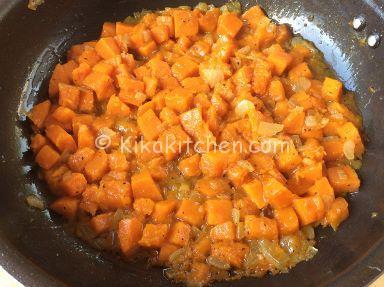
33 245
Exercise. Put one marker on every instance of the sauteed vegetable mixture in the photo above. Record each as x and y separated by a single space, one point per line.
208 141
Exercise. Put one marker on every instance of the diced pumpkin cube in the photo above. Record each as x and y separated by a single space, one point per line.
160 33
218 211
279 58
129 233
245 206
89 57
287 220
147 49
107 48
108 30
190 166
59 75
149 125
39 113
144 206
102 84
85 137
143 185
78 160
61 139
337 213
73 184
151 84
195 84
162 210
294 122
212 186
214 163
191 212
69 96
331 90
309 209
169 116
229 25
276 90
66 206
154 235
208 21
224 231
348 131
179 100
186 23
300 70
343 178
260 228
96 167
288 159
276 194
184 67
334 148
230 252
173 141
116 107
102 222
254 190
37 142
47 157
166 251
179 233
117 161
325 190
86 101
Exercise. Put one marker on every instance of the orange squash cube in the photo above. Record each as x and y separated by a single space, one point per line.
260 228
309 209
143 185
179 233
229 25
218 211
343 179
276 194
337 213
331 90
223 232
287 220
191 212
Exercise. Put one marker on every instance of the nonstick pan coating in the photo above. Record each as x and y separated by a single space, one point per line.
34 246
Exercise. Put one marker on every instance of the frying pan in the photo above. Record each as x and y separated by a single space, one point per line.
34 246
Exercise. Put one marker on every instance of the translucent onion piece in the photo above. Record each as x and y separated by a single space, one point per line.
349 149
269 129
34 201
216 262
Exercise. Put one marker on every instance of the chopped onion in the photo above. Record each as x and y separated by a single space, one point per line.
311 121
274 254
349 149
244 107
301 84
308 161
35 202
244 50
240 231
246 164
216 262
309 232
269 129
235 215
